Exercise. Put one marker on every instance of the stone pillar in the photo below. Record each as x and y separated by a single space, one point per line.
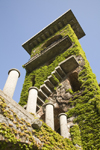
63 125
11 82
32 100
49 115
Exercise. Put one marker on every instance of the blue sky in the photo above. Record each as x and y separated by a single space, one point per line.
22 19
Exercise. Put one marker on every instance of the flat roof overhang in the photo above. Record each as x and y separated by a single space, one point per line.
67 18
49 53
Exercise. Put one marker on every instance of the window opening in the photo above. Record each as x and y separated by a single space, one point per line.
73 78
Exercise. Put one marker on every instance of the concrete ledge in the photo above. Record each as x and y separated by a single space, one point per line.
69 64
47 54
57 75
49 84
16 105
54 82
60 71
42 95
45 89
67 18
20 116
40 100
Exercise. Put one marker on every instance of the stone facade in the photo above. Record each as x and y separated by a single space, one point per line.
19 129
16 117
66 87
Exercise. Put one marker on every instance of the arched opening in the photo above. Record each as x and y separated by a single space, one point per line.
75 84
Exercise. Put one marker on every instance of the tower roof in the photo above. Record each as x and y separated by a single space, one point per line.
67 18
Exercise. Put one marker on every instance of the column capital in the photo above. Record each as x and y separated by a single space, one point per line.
49 103
33 87
44 106
11 82
62 114
15 70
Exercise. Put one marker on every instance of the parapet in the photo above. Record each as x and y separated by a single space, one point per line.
67 18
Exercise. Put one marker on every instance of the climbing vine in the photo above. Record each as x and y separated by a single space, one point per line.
75 135
43 72
21 138
13 136
86 102
86 109
52 140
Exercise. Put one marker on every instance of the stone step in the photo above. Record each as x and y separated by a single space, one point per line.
54 82
45 89
49 84
69 64
40 101
57 75
60 71
38 106
42 95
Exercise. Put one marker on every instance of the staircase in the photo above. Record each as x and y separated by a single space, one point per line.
60 72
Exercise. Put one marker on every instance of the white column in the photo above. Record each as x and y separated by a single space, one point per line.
63 125
11 82
32 100
49 115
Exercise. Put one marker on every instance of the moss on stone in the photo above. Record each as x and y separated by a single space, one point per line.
70 91
86 109
42 46
52 140
43 72
13 137
75 135
86 105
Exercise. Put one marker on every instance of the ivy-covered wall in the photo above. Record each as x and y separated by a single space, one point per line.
87 109
17 133
86 105
76 136
43 72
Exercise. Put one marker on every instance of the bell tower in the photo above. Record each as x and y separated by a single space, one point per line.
52 71
46 61
59 89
